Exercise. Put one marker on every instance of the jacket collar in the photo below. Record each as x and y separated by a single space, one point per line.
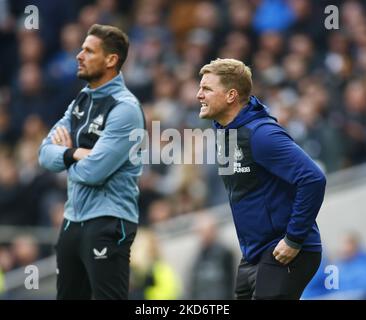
112 87
253 110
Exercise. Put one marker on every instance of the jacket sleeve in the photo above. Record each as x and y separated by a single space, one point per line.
111 150
274 150
51 155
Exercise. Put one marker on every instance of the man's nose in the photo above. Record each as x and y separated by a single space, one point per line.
79 56
199 94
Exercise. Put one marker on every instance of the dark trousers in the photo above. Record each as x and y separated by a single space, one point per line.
93 258
269 279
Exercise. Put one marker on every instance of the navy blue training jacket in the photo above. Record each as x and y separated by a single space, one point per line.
276 189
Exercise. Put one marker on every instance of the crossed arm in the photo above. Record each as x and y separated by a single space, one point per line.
94 166
62 137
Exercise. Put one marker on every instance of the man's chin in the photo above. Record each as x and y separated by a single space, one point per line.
81 75
89 77
204 115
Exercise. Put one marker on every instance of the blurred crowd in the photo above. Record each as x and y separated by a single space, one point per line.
342 276
313 80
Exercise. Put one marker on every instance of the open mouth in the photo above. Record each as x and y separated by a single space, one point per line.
204 107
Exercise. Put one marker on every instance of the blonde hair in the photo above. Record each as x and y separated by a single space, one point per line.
233 74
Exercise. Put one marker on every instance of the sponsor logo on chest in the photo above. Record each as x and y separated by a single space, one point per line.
238 156
96 124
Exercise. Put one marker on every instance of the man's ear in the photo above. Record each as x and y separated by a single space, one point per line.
112 60
231 95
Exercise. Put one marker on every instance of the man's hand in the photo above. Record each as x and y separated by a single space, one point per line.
81 153
284 253
62 137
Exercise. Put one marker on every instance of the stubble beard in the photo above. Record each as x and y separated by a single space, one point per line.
89 77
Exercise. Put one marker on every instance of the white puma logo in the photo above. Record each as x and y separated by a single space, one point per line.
101 254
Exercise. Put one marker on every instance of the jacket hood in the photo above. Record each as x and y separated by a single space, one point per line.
112 87
253 110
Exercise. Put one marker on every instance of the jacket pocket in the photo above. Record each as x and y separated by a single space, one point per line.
253 220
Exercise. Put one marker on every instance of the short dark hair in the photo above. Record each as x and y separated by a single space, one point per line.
114 41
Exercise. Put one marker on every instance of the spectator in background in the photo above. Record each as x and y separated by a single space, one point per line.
53 15
181 20
302 45
355 121
241 18
63 66
272 42
6 264
348 280
88 15
8 42
61 70
13 208
7 136
188 105
315 135
151 46
31 47
25 250
273 15
165 103
6 259
152 278
110 13
352 267
37 183
308 19
237 46
159 210
56 212
32 97
212 274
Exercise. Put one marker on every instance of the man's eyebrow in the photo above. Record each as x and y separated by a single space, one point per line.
85 47
205 86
